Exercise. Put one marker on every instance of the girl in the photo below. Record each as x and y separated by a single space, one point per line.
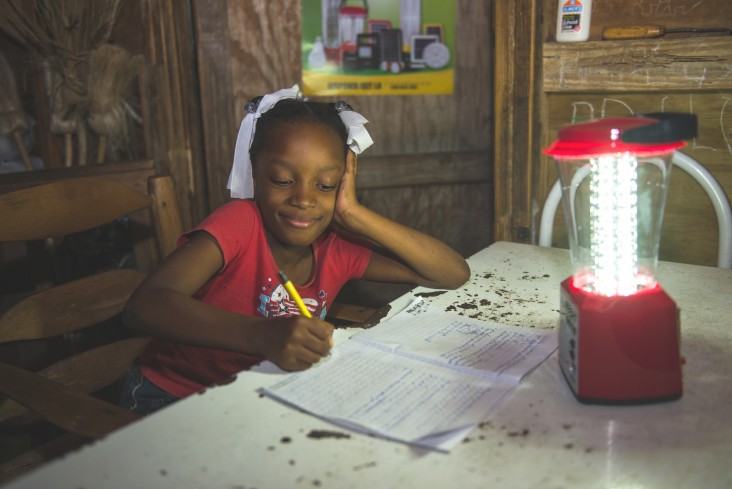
215 306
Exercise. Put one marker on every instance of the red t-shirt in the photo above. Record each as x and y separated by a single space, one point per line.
248 284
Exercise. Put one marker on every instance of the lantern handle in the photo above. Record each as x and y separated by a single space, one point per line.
689 165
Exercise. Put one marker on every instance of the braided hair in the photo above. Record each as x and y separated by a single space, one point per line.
294 111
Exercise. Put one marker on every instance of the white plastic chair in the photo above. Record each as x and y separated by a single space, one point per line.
697 171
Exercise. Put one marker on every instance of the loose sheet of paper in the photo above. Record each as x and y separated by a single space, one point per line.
370 390
479 347
379 381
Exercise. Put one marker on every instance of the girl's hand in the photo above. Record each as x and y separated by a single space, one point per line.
346 201
296 342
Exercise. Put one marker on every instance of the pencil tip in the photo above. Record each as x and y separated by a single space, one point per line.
282 275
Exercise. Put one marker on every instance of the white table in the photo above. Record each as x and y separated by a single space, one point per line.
541 437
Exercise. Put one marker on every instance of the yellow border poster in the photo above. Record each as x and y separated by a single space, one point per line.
378 47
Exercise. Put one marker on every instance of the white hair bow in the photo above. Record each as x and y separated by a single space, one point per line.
241 180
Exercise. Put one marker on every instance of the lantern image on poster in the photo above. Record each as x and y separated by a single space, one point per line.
619 334
351 23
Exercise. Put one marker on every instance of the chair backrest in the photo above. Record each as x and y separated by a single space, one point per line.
697 171
55 210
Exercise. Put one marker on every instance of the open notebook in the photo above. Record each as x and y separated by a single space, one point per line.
424 377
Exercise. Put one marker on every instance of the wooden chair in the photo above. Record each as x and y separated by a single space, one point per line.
61 392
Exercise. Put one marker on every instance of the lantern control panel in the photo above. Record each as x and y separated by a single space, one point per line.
568 339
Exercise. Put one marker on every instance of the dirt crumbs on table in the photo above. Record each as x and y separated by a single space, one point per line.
491 300
366 465
430 294
320 434
528 276
285 439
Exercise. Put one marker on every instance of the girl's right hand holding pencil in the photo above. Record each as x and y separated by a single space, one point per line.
295 342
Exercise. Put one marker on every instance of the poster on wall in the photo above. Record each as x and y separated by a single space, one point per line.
378 47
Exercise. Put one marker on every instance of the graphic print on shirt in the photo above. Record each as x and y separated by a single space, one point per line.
279 303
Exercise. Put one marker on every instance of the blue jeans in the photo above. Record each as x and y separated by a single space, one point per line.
141 396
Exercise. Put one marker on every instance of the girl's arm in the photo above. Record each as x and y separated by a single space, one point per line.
416 257
163 306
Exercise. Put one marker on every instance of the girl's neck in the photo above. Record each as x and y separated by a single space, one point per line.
297 262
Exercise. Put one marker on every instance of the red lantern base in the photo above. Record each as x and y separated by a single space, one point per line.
620 350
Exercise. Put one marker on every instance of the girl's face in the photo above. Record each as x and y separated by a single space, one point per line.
296 177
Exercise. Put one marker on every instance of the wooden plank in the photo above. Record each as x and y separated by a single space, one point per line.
133 174
98 367
457 214
517 92
90 417
66 207
165 214
700 63
669 13
101 367
423 169
170 103
67 307
217 107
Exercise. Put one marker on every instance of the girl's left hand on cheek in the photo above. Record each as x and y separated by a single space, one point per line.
346 199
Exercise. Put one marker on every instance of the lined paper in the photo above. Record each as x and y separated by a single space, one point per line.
424 377
481 347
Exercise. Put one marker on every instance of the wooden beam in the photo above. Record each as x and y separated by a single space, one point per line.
171 103
408 170
691 63
517 88
211 21
134 174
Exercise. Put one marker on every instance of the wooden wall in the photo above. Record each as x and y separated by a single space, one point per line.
430 166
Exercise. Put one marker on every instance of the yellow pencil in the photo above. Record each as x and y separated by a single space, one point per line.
290 288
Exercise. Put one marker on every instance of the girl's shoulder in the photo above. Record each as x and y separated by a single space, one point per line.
342 244
236 209
232 218
239 204
234 225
